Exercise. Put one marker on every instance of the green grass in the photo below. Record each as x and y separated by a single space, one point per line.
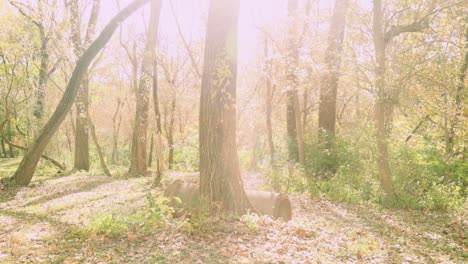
8 166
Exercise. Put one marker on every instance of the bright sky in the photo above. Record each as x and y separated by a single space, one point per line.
192 15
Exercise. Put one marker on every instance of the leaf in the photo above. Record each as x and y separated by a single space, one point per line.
132 237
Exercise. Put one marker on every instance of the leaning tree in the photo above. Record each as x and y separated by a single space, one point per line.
25 171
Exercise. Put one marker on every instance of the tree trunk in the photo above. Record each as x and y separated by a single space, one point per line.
150 156
299 129
170 133
159 144
328 89
81 158
220 178
294 125
458 96
116 121
9 136
102 160
140 127
379 115
269 99
25 171
3 139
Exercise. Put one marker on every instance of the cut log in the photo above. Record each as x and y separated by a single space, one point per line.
275 205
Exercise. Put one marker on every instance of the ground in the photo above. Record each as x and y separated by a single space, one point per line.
64 220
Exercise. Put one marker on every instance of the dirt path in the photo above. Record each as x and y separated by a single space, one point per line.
45 223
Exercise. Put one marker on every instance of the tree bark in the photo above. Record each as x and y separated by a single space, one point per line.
328 89
116 121
25 171
139 140
157 114
81 157
269 101
379 114
459 96
102 160
150 155
220 178
293 109
170 133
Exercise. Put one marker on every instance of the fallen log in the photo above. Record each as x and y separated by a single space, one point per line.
268 203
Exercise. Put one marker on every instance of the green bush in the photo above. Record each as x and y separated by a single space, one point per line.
347 172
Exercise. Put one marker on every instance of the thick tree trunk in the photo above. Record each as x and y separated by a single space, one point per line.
81 158
220 178
25 171
140 127
379 115
328 89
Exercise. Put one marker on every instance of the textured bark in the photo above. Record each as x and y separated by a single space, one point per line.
140 127
328 89
220 178
81 157
379 115
25 171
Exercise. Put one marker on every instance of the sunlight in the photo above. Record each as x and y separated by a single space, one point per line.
129 133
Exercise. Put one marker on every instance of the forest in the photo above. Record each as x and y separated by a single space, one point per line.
233 131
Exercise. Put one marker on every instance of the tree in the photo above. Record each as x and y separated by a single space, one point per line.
383 105
38 19
328 89
81 157
25 171
220 178
270 89
138 159
292 97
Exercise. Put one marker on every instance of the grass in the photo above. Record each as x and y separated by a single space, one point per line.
8 166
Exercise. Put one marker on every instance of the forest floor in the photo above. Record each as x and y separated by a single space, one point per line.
54 220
